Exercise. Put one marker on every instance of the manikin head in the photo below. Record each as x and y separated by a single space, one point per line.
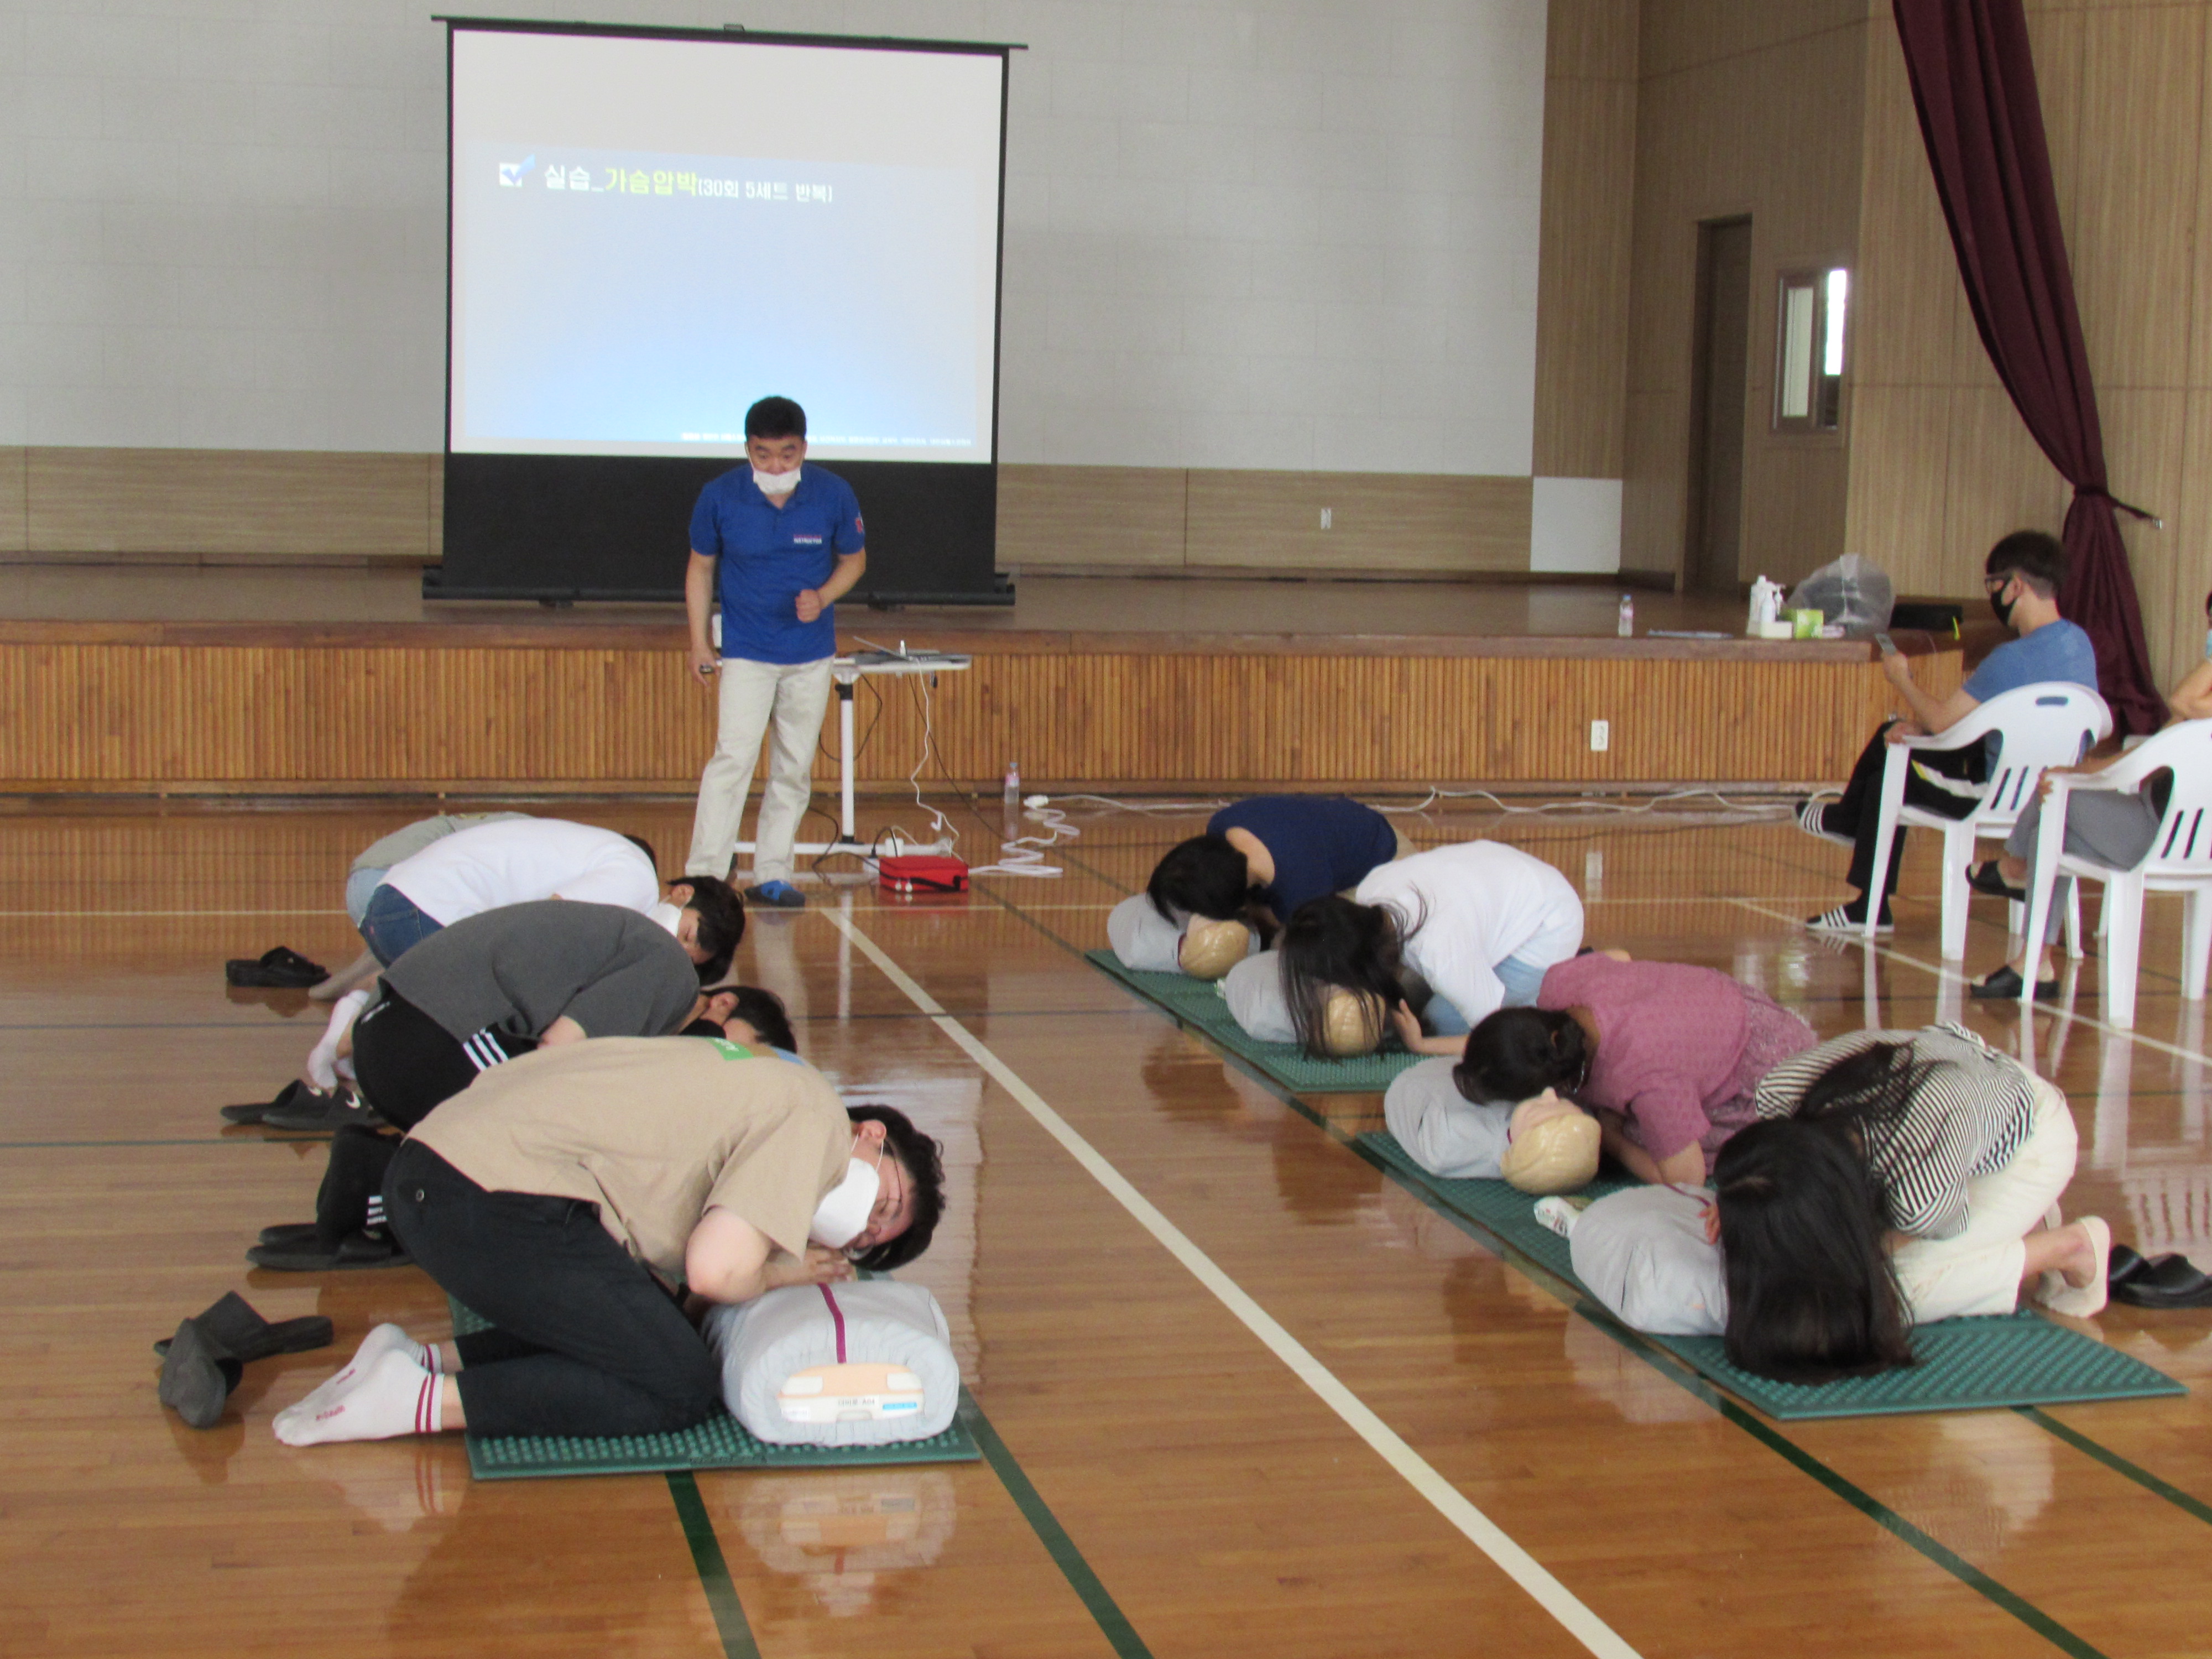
1332 945
1552 1146
1352 1023
775 435
1211 949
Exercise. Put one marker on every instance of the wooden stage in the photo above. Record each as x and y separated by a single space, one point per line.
157 680
1170 1486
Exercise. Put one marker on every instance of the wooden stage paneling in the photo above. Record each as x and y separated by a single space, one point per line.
503 703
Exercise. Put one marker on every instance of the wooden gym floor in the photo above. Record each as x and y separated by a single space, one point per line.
1246 1395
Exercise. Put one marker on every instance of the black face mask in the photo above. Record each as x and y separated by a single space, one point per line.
2001 605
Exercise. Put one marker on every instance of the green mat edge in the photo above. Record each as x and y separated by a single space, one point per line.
955 1443
1248 1050
1794 1406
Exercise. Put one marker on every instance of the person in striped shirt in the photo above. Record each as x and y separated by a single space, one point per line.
1895 1178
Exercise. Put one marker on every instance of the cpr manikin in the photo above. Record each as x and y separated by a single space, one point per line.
1146 940
1544 1145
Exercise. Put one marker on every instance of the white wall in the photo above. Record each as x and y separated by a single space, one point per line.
1260 236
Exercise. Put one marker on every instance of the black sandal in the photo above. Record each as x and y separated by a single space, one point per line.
1988 877
282 969
2004 985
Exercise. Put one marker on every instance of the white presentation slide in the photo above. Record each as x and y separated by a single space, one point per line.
648 235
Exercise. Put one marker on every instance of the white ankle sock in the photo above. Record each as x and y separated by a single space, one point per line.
394 1396
384 1339
322 1060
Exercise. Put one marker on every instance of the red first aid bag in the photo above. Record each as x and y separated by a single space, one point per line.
922 872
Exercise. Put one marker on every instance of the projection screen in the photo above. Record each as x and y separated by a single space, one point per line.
652 229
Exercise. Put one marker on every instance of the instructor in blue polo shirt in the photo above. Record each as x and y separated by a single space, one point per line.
778 543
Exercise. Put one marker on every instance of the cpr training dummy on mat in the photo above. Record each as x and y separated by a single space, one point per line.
1476 923
476 994
1666 1053
1218 897
567 1195
1894 1178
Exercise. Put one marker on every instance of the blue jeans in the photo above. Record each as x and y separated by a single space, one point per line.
392 924
1522 981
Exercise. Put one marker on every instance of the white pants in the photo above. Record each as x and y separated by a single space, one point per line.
785 702
1979 1270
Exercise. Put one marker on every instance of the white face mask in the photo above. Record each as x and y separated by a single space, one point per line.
776 483
668 916
842 1216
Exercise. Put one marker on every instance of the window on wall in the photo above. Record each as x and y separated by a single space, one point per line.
1809 378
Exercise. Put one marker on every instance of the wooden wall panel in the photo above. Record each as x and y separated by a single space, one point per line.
1091 517
253 718
1589 193
14 526
1744 107
271 504
1421 522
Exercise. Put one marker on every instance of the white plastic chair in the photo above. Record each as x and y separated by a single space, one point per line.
2052 724
2179 861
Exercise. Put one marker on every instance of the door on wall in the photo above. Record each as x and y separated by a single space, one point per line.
1712 555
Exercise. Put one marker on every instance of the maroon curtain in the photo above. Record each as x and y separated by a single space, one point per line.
1973 82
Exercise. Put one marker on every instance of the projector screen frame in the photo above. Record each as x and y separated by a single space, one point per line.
499 512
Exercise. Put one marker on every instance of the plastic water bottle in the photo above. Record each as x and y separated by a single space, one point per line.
1013 795
1627 615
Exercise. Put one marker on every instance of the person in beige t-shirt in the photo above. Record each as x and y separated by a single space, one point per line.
565 1196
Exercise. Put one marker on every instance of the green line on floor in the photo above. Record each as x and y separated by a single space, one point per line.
1112 1622
714 1571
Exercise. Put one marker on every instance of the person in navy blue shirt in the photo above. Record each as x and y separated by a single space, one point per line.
1261 858
777 543
2022 576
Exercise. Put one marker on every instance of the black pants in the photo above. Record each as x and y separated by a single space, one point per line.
359 1159
1858 814
586 1341
409 1064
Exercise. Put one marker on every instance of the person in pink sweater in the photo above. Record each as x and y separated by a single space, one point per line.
1666 1055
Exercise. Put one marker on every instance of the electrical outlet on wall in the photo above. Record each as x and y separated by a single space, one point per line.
1328 517
1601 735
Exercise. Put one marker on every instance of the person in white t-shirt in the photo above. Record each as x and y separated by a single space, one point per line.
490 865
1479 920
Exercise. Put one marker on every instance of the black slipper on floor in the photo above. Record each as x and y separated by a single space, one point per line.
289 1233
282 969
253 1111
245 1336
198 1375
2166 1281
2003 985
2121 1265
310 1113
362 1249
1987 877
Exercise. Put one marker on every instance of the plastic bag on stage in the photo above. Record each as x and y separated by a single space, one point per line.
1850 592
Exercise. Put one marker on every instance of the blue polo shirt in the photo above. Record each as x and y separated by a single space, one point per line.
768 557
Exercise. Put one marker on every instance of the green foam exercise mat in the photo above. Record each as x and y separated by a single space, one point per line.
1966 1364
1198 1002
719 1443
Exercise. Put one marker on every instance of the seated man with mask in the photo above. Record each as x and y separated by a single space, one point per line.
567 1196
2024 573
